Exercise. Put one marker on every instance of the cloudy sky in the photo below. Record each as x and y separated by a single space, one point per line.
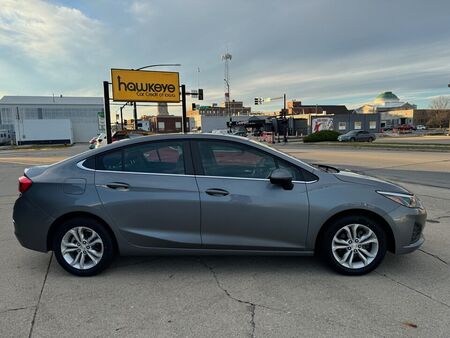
317 51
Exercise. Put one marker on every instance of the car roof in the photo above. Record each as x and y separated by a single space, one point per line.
188 136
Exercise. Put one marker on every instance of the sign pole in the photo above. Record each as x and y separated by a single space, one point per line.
107 111
135 116
183 105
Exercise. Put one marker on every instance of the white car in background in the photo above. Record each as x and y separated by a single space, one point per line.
101 140
421 127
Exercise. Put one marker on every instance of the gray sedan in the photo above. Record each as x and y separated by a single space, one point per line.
357 135
215 194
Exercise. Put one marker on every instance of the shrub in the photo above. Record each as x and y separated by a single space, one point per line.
321 136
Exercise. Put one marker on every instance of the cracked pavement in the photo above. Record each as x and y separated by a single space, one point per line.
234 296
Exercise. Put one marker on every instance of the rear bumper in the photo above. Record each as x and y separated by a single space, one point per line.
31 225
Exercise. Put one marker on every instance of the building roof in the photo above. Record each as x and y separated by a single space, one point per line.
50 100
387 96
330 109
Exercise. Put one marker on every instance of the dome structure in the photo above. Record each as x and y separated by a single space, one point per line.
386 99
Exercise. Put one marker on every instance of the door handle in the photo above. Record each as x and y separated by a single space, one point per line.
118 186
217 192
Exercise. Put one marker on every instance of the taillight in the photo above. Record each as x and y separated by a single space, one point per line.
24 183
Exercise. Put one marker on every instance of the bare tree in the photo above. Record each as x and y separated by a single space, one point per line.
441 112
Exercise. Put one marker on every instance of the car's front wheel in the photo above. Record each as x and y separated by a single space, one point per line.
354 245
83 246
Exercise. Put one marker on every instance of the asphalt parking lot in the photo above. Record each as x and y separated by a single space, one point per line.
236 296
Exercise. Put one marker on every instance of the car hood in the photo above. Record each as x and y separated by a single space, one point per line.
379 184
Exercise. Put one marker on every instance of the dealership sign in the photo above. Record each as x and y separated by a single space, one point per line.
141 85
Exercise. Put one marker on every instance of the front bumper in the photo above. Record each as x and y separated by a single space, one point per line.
31 225
407 226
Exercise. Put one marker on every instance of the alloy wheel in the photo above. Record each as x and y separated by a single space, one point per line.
355 246
82 248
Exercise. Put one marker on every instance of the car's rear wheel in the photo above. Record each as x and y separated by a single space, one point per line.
370 139
83 246
354 245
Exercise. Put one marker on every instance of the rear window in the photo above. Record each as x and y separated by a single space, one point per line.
89 163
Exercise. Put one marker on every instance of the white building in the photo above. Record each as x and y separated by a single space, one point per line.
83 112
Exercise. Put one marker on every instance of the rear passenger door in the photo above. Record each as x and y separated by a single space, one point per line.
150 193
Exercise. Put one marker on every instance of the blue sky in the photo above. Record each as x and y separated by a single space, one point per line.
321 51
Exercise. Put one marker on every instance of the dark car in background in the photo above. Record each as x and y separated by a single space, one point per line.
357 136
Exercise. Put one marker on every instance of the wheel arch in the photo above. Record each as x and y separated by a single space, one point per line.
359 212
60 220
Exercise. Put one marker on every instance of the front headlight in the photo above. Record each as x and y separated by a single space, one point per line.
407 200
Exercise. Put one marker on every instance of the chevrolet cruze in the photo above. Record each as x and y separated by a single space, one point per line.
214 194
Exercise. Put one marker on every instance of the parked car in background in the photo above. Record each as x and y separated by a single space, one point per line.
357 136
120 135
101 140
93 142
421 127
210 194
406 127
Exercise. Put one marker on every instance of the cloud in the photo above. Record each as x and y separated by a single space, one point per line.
321 51
54 42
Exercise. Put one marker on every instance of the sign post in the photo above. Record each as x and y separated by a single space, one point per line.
107 112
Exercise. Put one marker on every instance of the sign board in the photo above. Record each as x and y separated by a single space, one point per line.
321 123
142 85
101 121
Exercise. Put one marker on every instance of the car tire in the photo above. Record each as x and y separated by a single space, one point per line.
370 139
83 246
344 252
352 139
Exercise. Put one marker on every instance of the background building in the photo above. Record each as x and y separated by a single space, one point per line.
395 112
209 118
297 108
83 113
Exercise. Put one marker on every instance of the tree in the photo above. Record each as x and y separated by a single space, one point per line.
440 103
441 112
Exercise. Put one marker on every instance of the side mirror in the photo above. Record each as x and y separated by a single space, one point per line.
283 178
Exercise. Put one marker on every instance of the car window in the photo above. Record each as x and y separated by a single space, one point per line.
153 157
111 161
230 159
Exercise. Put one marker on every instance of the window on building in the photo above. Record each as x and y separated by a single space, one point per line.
342 125
178 125
357 125
161 125
372 124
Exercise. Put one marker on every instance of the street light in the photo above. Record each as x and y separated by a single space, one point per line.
150 66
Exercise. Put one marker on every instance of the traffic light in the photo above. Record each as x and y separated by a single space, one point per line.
125 122
200 94
259 100
194 106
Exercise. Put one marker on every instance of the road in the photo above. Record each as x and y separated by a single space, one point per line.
194 296
425 168
432 139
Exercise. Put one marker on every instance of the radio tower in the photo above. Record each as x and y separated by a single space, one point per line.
227 58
